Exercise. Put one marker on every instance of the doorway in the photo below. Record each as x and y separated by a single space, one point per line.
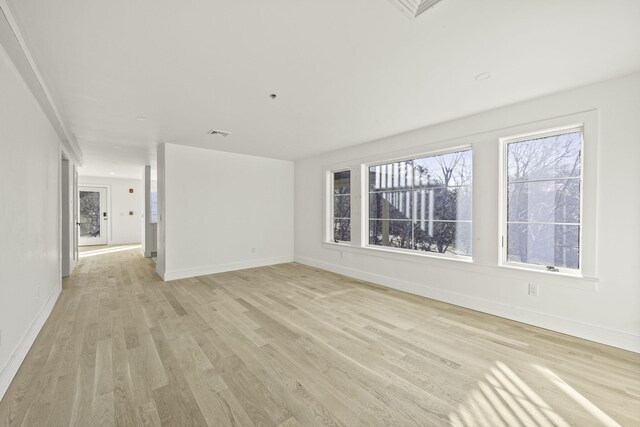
93 217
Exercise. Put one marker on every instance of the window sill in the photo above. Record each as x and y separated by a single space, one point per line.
331 245
432 255
576 275
404 255
568 280
572 281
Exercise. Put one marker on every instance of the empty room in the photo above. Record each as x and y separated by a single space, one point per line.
320 213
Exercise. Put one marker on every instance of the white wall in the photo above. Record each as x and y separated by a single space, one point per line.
606 310
123 228
30 276
222 211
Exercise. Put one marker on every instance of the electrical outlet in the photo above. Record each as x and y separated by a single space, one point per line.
532 290
341 254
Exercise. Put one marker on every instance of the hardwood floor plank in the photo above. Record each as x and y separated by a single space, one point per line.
290 345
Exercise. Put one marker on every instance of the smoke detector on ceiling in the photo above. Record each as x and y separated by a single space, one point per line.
219 132
413 8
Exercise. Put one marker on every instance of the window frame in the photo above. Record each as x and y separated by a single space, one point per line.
330 188
364 243
504 198
487 189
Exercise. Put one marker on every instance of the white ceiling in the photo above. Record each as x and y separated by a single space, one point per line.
345 71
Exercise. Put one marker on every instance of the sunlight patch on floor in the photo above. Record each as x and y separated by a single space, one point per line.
108 250
574 394
505 399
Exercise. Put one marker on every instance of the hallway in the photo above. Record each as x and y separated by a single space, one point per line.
286 345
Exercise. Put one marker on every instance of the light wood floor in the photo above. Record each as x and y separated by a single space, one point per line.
290 345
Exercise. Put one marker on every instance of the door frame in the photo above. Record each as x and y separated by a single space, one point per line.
107 208
65 216
76 218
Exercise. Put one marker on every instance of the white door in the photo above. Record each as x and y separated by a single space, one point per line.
93 216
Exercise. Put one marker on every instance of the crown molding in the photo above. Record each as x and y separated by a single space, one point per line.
16 48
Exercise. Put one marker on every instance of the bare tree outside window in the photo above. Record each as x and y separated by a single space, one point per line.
422 204
543 200
89 214
341 206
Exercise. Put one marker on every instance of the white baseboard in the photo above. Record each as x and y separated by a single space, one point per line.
603 335
10 369
221 268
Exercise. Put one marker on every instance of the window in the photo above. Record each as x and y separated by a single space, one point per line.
543 199
422 204
341 200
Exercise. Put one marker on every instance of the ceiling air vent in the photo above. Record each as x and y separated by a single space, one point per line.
413 8
219 132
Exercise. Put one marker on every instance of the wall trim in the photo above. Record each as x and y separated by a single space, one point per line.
591 332
222 268
10 369
470 265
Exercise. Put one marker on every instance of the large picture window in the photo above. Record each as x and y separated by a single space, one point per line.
422 204
341 200
543 198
